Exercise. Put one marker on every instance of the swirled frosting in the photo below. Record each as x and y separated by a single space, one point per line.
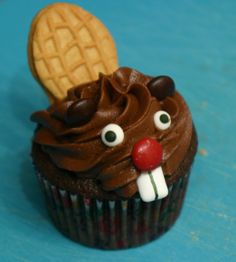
69 132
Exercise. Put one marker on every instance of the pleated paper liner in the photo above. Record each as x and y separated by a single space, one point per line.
113 224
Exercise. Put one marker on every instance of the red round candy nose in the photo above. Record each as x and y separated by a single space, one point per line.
147 154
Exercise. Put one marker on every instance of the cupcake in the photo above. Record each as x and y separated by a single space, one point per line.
114 157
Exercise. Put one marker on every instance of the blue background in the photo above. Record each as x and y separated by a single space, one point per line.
194 42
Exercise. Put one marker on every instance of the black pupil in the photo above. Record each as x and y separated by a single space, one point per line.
164 118
110 136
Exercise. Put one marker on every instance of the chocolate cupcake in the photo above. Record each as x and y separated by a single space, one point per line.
114 157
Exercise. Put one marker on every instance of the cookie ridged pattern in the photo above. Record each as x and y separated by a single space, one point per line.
67 47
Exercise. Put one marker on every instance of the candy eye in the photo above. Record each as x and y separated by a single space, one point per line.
162 120
112 135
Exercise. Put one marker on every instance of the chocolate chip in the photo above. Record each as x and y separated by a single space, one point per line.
80 112
161 87
59 110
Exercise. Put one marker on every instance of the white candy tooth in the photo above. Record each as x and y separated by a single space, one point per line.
152 185
160 182
145 187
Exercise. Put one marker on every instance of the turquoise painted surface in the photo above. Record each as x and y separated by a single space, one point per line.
194 42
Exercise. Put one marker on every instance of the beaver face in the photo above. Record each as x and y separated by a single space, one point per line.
128 131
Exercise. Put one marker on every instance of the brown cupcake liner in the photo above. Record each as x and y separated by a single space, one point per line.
113 224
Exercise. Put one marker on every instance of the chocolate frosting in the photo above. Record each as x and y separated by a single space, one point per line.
70 130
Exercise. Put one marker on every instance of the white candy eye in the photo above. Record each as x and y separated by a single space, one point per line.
162 120
112 135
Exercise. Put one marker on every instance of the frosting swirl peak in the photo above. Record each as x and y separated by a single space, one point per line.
70 130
